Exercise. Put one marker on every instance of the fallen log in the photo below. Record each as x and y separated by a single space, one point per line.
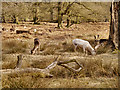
21 31
44 72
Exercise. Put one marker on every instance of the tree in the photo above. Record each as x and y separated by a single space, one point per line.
59 15
51 12
114 28
35 12
62 12
119 27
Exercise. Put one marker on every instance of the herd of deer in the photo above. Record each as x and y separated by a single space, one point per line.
85 45
11 29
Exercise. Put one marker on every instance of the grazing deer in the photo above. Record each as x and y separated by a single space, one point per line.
36 46
12 29
85 45
100 42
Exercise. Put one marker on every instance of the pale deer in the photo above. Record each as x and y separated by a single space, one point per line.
85 45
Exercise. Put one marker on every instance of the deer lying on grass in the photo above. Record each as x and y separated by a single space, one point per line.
36 46
12 29
104 42
85 45
100 42
3 29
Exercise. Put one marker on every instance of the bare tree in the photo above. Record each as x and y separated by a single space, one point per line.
61 12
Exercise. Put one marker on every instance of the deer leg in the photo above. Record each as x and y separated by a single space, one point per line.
84 50
75 48
102 44
33 52
37 50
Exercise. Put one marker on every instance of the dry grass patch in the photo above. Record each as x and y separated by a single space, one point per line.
50 48
34 81
99 71
14 46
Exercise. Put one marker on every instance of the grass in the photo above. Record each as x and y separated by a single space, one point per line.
97 73
100 71
37 82
68 46
14 46
93 66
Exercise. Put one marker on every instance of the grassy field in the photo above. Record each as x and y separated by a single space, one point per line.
99 71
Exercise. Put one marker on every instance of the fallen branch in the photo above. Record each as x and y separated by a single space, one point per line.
44 72
64 64
19 62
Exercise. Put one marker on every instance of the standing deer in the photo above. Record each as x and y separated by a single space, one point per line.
36 46
85 45
100 42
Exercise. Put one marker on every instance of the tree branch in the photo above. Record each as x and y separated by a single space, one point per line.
51 66
61 63
71 69
93 12
67 8
19 62
43 72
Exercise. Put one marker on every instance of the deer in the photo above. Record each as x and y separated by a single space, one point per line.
3 29
12 29
100 42
85 45
104 42
36 46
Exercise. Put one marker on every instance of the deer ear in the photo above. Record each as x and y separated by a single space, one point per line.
94 36
98 36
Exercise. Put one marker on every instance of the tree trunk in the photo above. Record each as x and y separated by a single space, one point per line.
59 15
68 22
15 19
119 26
113 36
35 18
3 19
51 13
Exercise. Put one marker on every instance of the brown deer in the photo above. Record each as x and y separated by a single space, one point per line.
104 42
12 29
36 46
100 42
3 29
